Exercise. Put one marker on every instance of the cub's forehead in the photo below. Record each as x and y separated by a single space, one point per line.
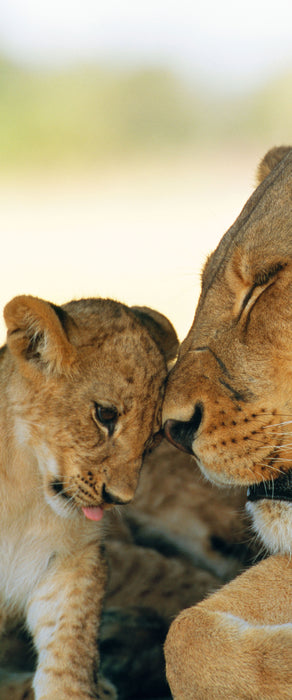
117 371
88 313
112 344
106 324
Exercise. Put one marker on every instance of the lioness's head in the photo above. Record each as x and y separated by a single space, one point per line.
229 397
84 384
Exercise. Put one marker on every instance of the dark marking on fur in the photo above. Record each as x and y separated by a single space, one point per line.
237 395
63 317
58 488
31 352
218 360
228 549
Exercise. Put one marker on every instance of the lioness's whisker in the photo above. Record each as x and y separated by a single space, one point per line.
277 425
282 459
279 433
274 469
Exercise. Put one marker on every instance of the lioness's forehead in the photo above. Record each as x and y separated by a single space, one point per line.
262 231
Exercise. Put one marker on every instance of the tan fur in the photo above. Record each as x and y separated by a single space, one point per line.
59 454
229 401
180 539
270 160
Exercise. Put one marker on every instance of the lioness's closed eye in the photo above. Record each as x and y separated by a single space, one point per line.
80 400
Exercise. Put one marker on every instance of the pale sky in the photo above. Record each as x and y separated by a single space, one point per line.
227 42
139 234
142 235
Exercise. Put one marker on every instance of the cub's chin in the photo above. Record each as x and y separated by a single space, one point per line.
270 506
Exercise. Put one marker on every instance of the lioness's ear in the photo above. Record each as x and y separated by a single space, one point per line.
270 160
160 329
36 334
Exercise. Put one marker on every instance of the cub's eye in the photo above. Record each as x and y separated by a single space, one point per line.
107 416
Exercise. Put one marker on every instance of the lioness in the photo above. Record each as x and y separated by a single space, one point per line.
80 398
229 403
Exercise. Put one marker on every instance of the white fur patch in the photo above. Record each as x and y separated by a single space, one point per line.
49 469
47 463
24 558
272 520
21 432
243 625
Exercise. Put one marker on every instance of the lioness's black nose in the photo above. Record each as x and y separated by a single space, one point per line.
182 433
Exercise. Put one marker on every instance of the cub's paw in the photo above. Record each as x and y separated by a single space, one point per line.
16 686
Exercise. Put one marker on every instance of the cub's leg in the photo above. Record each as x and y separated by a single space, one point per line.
237 643
63 616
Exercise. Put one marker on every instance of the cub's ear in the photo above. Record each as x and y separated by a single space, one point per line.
270 160
36 334
160 329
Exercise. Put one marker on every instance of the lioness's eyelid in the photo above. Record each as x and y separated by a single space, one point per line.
247 298
250 296
265 276
262 279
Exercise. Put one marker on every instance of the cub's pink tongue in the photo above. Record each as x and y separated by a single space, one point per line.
93 512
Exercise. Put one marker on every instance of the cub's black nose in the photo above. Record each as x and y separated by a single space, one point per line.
113 498
182 433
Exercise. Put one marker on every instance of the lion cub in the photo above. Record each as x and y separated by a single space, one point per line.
80 397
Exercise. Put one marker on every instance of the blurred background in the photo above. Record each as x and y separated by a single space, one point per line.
130 133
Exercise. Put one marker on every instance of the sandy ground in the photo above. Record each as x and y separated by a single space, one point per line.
138 232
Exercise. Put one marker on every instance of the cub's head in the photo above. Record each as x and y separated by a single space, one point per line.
84 385
229 397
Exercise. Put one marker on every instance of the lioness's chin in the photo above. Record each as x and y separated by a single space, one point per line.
219 478
272 521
